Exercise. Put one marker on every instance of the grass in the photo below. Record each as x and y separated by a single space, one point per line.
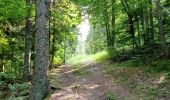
110 95
147 78
98 57
79 62
79 71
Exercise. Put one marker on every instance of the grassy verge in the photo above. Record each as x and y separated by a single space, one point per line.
147 78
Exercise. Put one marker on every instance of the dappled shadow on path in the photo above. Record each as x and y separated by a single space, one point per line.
93 86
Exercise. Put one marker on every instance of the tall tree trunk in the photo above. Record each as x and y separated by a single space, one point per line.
52 35
2 60
151 27
146 26
26 67
132 30
107 25
161 31
52 50
138 30
143 27
130 22
64 60
113 24
1 65
41 62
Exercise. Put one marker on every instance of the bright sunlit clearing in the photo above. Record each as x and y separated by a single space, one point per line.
83 28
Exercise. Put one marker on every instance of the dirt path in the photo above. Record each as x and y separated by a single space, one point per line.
93 86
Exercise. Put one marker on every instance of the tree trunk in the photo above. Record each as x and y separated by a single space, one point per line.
2 59
113 24
161 32
52 36
138 30
1 64
143 26
107 25
41 62
26 67
146 26
53 50
1 67
132 30
64 60
151 27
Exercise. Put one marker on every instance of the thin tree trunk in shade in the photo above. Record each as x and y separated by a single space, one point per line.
41 62
113 24
146 26
138 30
26 67
132 30
2 61
161 31
143 27
151 27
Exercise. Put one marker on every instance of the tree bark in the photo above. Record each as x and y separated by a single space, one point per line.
143 26
151 27
132 30
26 67
161 31
1 65
107 25
138 30
53 49
113 24
146 35
41 62
2 60
52 36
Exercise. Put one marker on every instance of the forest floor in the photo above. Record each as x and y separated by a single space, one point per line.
89 82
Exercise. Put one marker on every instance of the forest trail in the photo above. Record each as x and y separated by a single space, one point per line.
93 86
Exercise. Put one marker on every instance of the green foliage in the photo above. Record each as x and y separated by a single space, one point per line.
110 95
112 52
19 91
7 77
8 9
16 98
101 56
159 66
11 88
96 40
